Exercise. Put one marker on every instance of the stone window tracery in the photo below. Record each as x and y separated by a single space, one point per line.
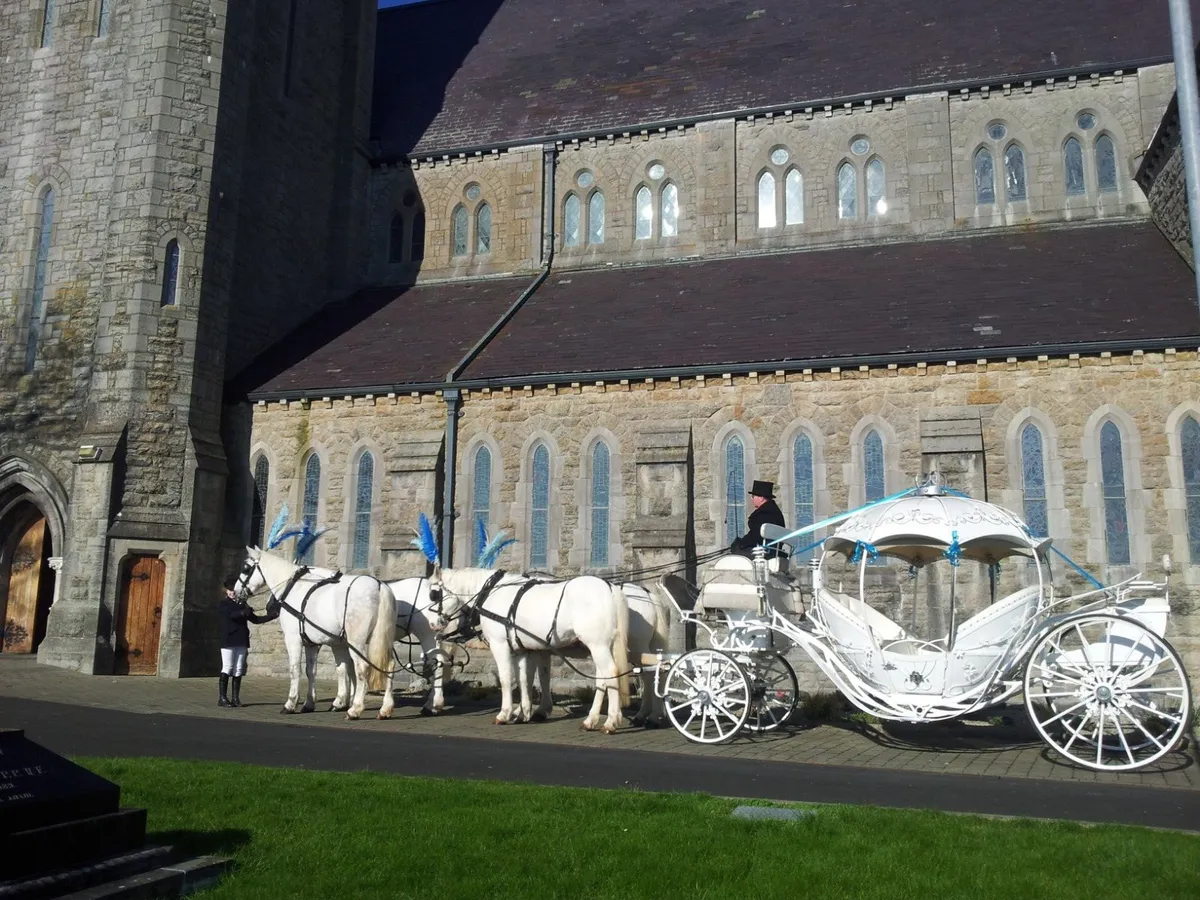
1116 511
458 227
1073 167
539 531
258 507
595 229
600 504
874 473
803 482
735 487
847 191
1033 480
483 230
985 177
1106 165
774 207
1014 173
312 500
481 489
364 485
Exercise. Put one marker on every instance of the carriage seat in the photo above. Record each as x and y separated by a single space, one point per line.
997 624
885 630
681 592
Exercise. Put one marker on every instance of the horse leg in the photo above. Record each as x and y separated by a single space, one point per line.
606 672
504 669
435 702
310 670
389 698
546 700
525 678
341 658
295 652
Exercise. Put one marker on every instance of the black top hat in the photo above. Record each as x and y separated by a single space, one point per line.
230 582
763 489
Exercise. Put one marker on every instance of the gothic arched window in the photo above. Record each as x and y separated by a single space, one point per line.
847 191
669 209
258 503
571 212
170 281
312 498
1014 172
766 200
1073 167
601 500
1116 513
644 214
985 177
1033 480
1189 445
539 532
735 488
396 239
41 263
793 206
47 23
1106 164
803 480
874 479
596 218
102 19
876 189
483 229
418 237
481 489
363 491
459 225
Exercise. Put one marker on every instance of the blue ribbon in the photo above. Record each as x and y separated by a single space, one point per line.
954 551
859 547
840 517
1076 567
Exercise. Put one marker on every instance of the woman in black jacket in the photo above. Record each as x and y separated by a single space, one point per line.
235 640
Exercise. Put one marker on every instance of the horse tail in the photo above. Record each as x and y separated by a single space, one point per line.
620 645
379 649
662 623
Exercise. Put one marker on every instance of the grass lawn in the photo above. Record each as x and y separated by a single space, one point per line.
305 834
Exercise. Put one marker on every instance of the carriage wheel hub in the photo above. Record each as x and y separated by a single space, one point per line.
1104 694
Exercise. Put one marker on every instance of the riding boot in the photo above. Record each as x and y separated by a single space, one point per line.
224 701
235 698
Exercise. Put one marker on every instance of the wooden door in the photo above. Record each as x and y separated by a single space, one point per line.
24 580
139 618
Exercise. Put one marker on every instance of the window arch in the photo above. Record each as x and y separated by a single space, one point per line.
601 502
102 19
258 503
847 191
483 229
793 202
1033 480
669 210
459 226
985 177
539 531
735 487
1014 173
1073 167
596 218
364 486
876 188
1116 511
766 201
481 489
644 214
1189 445
803 482
47 23
571 216
874 473
170 280
1106 165
312 498
418 236
41 263
396 239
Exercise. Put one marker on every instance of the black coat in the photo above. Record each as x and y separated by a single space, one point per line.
234 616
767 514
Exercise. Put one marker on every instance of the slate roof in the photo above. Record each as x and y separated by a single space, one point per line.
476 73
978 296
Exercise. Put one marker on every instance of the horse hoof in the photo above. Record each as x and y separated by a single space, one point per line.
352 716
609 729
426 711
287 712
383 715
500 721
538 716
585 726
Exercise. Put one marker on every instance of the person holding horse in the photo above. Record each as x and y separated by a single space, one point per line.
235 639
766 512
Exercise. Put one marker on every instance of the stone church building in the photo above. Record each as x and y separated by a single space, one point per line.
577 270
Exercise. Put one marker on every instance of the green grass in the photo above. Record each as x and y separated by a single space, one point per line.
307 834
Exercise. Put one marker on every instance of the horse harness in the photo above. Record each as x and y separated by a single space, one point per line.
280 600
512 630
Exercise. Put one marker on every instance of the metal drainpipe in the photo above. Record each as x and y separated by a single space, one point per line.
452 395
1184 48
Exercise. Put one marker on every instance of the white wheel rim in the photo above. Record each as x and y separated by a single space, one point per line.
707 696
774 691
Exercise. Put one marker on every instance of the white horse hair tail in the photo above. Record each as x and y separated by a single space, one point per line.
379 652
620 648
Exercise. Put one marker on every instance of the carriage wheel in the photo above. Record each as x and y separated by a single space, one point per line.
707 696
1107 692
774 691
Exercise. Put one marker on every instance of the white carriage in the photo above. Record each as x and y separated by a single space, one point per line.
1101 684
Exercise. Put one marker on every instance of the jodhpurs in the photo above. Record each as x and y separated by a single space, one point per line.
233 660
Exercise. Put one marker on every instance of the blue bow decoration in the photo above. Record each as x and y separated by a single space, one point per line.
425 540
954 551
859 547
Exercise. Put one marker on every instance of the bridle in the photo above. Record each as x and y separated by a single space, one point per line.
467 612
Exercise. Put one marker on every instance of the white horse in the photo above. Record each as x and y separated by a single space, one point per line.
416 616
517 617
354 615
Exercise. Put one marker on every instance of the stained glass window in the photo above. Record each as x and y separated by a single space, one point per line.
1116 515
735 488
985 177
1189 441
1033 480
645 214
483 229
1073 166
258 503
170 283
847 180
1106 164
102 19
802 474
766 200
873 471
48 23
481 489
670 210
571 221
418 237
596 218
601 471
364 486
459 227
539 532
793 207
396 240
876 189
42 261
1014 172
312 497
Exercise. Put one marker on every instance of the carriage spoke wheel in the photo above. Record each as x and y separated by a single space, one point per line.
707 696
774 691
1107 692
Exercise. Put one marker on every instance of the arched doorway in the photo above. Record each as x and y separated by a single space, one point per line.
26 579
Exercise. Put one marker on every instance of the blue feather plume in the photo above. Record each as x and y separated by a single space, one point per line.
306 539
490 553
425 540
481 538
277 526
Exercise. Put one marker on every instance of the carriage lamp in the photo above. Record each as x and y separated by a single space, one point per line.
759 561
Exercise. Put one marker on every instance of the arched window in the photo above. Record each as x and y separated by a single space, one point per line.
847 191
47 23
1033 480
483 229
363 488
766 200
601 472
985 177
1106 164
571 210
735 488
874 480
170 282
418 237
102 19
1116 515
258 503
802 478
396 239
644 206
793 206
459 228
539 530
312 498
481 489
1073 167
876 189
1189 445
596 218
41 262
1014 172
670 210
